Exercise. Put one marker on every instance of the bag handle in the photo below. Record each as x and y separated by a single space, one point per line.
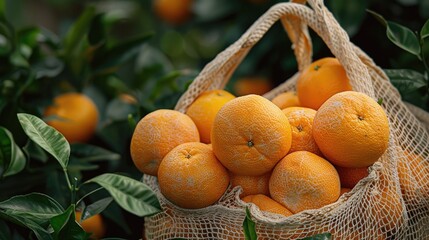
295 18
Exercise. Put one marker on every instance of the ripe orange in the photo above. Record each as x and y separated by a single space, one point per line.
158 133
252 85
386 208
303 180
344 190
204 109
173 11
76 116
267 204
413 172
94 225
301 122
351 130
250 135
190 176
251 184
321 80
349 177
286 99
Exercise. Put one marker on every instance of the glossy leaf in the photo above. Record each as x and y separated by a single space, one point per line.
249 227
132 195
406 80
121 52
39 231
96 208
12 159
400 35
96 33
89 153
47 137
350 14
424 32
78 31
66 227
4 231
323 236
37 207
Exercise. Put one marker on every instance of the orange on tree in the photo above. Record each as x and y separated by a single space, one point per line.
252 85
74 115
173 11
267 204
158 133
93 225
301 122
204 109
286 99
250 135
349 177
303 180
321 80
190 176
251 185
351 130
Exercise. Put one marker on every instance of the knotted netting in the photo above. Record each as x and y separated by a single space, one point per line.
392 202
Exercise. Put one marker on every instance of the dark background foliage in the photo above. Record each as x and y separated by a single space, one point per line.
110 48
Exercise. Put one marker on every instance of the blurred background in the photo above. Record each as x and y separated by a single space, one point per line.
134 56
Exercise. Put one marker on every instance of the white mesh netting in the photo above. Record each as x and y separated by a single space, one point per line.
391 203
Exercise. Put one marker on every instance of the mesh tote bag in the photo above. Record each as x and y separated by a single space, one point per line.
392 202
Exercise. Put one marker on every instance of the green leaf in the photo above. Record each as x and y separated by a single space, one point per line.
424 32
90 153
97 33
34 151
12 159
249 227
349 14
96 208
66 227
47 137
121 53
400 35
37 207
132 195
406 80
7 37
4 231
323 236
78 31
38 230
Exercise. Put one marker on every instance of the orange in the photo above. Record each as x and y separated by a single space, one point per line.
157 134
349 177
321 80
252 85
386 207
74 115
267 204
204 109
94 225
250 135
413 172
351 130
251 184
303 180
344 190
190 176
286 99
301 122
173 11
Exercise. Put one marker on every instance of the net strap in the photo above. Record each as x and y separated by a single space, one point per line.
295 18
